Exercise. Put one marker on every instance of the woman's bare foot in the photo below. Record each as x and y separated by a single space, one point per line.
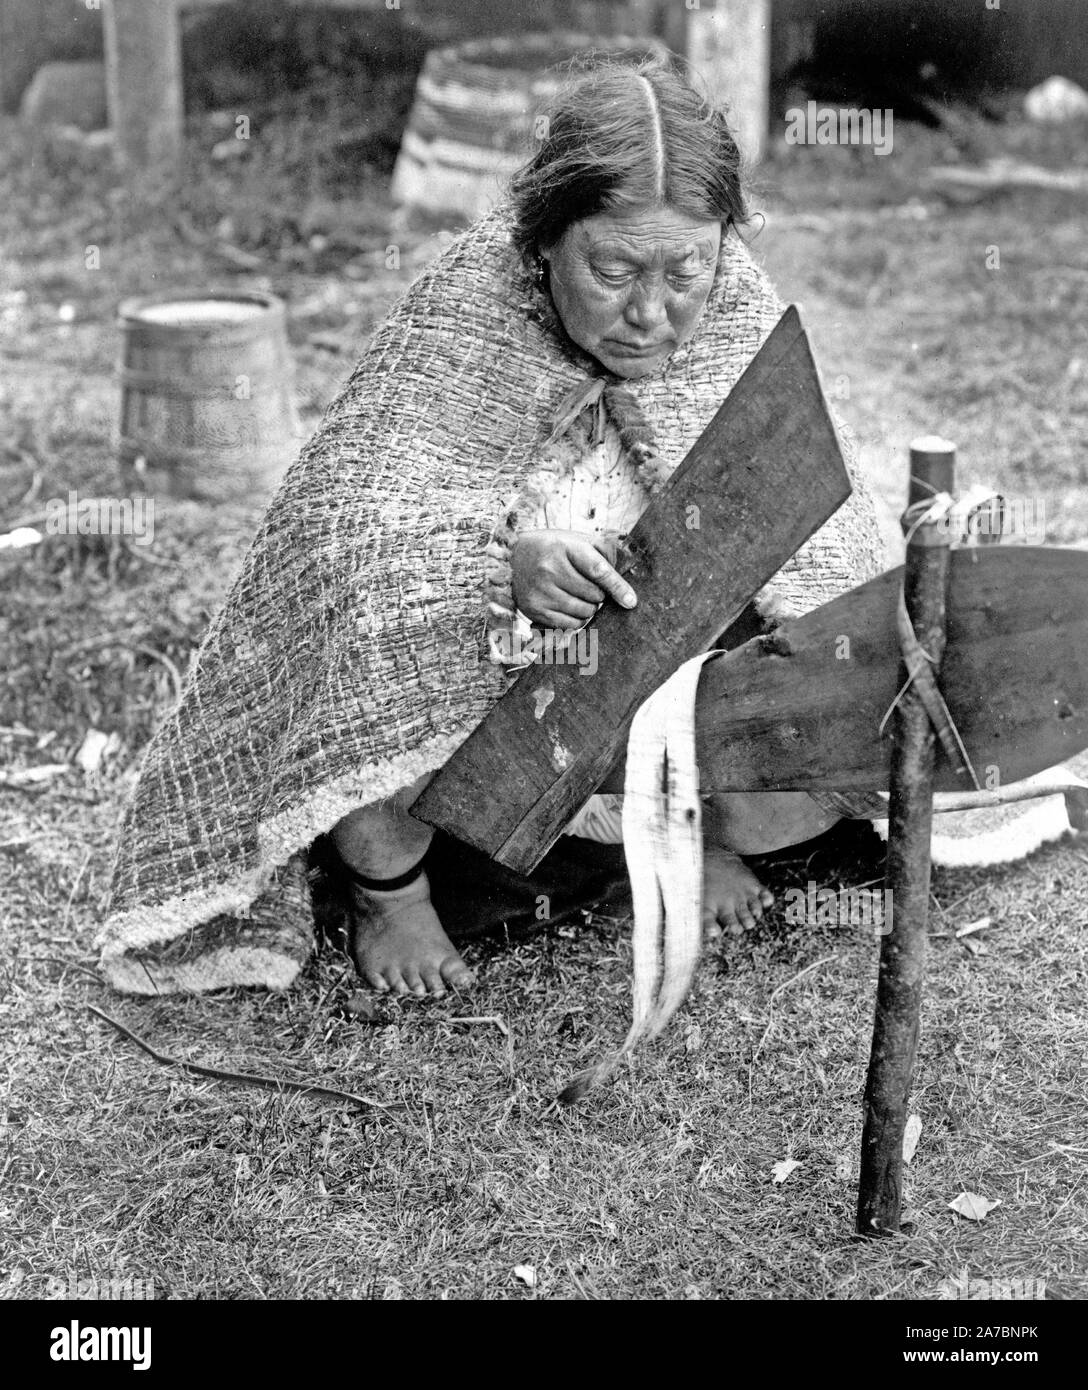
733 898
398 942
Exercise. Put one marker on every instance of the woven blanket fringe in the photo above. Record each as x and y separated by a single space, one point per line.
280 841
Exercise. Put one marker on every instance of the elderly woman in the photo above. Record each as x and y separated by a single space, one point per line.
455 493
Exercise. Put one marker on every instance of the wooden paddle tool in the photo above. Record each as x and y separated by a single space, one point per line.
763 475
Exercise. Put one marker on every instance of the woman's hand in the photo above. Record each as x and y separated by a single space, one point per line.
561 576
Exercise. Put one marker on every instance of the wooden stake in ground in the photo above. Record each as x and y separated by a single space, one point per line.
910 819
728 43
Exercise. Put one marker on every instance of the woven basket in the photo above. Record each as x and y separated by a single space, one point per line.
472 121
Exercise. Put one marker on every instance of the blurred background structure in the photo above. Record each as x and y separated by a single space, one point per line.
343 139
190 55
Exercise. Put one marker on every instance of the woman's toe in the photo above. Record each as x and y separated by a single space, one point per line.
457 974
432 978
414 983
377 981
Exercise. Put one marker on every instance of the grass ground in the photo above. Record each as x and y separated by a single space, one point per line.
660 1186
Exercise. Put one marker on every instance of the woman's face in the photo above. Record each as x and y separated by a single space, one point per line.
631 286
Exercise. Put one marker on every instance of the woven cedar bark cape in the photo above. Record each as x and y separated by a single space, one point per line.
349 657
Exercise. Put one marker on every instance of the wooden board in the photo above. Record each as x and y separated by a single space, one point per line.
804 711
765 473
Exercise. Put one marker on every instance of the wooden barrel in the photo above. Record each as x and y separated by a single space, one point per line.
206 404
472 121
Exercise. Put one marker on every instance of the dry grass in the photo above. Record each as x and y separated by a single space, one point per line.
660 1186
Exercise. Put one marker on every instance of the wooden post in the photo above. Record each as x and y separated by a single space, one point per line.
641 18
143 82
910 818
729 45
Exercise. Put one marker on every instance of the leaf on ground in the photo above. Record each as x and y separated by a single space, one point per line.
911 1134
981 925
21 538
784 1168
974 1207
527 1275
363 1008
95 748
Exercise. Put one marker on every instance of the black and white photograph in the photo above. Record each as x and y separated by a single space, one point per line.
544 666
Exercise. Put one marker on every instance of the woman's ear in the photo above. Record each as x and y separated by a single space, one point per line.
541 269
546 253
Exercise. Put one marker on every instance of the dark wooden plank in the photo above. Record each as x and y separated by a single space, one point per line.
804 710
765 473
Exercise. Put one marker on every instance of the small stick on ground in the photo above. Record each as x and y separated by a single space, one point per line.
75 889
68 965
267 1083
774 995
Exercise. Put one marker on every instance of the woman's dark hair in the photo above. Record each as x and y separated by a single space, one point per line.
621 136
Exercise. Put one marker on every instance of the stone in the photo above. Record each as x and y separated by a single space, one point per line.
67 94
1055 100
